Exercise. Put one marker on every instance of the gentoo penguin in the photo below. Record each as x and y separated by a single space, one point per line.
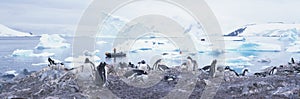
102 72
229 75
192 64
297 69
135 73
51 62
206 68
156 64
244 72
273 71
227 68
159 66
292 60
261 74
88 61
292 63
131 65
170 77
237 74
92 66
144 66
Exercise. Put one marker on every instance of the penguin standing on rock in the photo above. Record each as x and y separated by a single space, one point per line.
144 66
192 63
159 66
273 71
102 72
134 74
51 62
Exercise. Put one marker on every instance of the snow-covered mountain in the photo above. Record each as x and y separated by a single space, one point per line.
267 30
6 31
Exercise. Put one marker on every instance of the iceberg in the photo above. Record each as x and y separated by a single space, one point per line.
255 46
266 30
293 49
52 42
6 32
14 72
30 53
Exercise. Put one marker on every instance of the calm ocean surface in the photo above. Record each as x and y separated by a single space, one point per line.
9 62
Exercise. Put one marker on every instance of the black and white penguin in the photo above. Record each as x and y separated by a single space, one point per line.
292 60
261 74
163 67
273 71
93 66
206 69
244 72
131 65
292 63
51 62
229 74
170 77
158 66
192 64
135 73
155 65
227 68
297 69
102 72
237 74
144 66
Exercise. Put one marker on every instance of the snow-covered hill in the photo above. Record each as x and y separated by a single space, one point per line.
6 31
267 30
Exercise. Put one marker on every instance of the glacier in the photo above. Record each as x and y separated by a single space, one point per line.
266 30
52 42
7 32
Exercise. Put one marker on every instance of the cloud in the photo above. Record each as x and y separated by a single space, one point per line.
47 16
62 16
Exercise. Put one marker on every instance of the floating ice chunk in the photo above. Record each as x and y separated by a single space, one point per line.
52 41
29 53
293 49
81 59
12 72
264 60
88 53
101 42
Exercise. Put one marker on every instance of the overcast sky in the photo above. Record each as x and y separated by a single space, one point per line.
62 16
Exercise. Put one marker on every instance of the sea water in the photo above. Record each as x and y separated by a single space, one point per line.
10 44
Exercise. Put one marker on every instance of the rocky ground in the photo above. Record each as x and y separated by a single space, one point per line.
51 84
